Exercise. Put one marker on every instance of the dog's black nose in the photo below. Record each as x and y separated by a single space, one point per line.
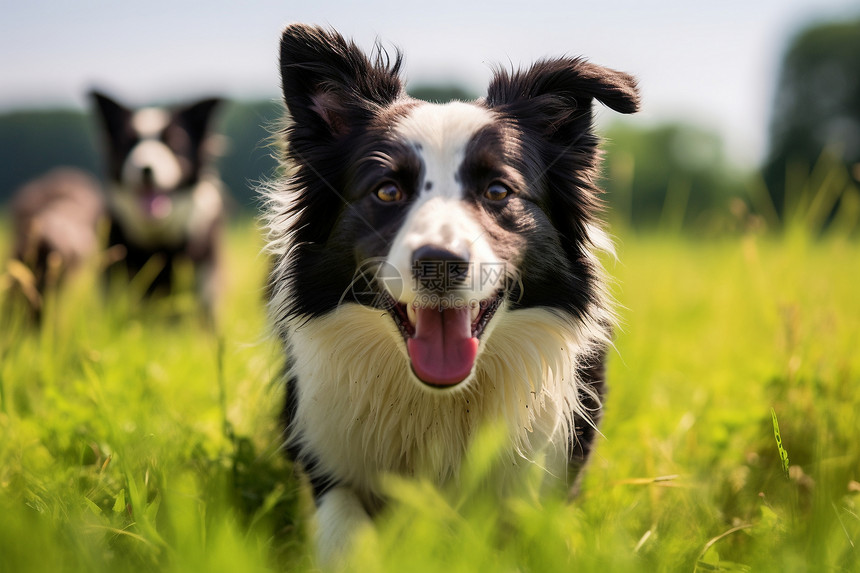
147 175
439 269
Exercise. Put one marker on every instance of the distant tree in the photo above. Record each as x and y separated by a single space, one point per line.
33 142
249 157
817 108
672 175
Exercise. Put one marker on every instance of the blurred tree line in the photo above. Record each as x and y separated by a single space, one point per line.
32 142
676 175
672 176
813 166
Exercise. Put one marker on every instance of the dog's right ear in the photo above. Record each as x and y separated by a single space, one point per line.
555 97
329 84
115 118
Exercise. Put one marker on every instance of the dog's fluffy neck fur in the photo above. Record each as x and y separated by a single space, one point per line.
377 420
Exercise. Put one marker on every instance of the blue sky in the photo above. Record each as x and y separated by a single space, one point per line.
711 62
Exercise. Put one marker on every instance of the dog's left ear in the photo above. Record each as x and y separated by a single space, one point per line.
197 117
330 86
555 96
114 117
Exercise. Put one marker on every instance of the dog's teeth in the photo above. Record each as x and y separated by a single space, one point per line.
476 310
411 313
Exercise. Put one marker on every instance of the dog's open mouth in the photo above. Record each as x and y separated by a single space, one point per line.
443 341
153 202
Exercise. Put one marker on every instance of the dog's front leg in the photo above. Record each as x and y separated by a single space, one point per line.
340 516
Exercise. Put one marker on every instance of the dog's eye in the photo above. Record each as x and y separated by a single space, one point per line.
496 192
389 193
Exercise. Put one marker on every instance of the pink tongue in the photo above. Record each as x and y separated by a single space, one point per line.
443 350
156 206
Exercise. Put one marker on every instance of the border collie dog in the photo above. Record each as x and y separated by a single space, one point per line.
435 270
164 198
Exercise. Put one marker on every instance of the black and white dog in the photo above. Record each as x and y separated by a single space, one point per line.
435 270
164 197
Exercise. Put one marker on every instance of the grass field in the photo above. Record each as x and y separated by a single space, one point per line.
134 439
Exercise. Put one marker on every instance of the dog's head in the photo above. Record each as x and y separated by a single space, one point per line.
154 157
443 215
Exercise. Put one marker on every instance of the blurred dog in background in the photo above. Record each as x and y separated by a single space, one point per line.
164 198
162 203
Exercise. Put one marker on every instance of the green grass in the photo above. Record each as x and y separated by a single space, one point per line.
134 439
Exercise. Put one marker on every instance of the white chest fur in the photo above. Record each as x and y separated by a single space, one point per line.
363 414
